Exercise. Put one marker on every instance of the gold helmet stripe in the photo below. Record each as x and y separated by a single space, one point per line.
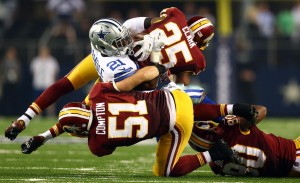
200 142
198 24
74 112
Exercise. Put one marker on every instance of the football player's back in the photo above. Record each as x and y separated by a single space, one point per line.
123 119
179 49
267 154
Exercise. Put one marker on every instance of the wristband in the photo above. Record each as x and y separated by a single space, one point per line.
147 22
161 69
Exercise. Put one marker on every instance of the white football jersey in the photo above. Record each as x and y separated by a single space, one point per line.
113 68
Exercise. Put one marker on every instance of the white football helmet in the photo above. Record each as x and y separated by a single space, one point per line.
111 38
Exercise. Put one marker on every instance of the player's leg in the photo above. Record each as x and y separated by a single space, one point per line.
171 145
295 171
80 75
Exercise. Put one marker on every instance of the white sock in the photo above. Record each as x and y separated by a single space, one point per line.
207 156
47 135
27 116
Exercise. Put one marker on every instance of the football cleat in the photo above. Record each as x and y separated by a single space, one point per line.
14 129
32 144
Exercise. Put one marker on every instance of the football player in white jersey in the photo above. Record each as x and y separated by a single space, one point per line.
109 60
111 45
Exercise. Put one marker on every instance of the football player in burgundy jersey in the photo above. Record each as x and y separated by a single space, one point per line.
261 154
92 67
117 119
109 61
182 51
114 69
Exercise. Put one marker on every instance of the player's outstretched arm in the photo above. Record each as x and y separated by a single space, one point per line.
245 125
145 74
261 112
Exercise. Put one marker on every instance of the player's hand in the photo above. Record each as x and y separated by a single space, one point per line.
32 144
147 46
246 111
14 129
221 151
158 42
156 56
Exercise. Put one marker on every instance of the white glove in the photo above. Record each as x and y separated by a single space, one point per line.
158 42
147 46
158 45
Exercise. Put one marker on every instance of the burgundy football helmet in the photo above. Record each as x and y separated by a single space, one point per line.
202 30
203 135
76 118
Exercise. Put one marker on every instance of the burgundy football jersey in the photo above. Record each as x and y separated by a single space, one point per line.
123 119
180 47
263 154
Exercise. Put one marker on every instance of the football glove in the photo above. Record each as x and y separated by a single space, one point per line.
158 42
14 129
146 48
246 111
148 44
32 144
156 56
221 151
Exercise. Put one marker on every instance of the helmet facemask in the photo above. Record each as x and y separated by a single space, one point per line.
110 38
124 44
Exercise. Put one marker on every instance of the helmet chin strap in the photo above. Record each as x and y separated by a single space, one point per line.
129 51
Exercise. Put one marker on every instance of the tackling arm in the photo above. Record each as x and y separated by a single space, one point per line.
140 24
142 75
261 114
244 124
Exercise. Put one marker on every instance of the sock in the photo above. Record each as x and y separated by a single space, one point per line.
206 156
27 116
47 135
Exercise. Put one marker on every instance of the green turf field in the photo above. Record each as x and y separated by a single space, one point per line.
66 160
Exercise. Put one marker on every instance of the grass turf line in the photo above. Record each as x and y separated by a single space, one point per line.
73 162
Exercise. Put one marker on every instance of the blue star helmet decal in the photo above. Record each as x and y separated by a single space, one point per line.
102 34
